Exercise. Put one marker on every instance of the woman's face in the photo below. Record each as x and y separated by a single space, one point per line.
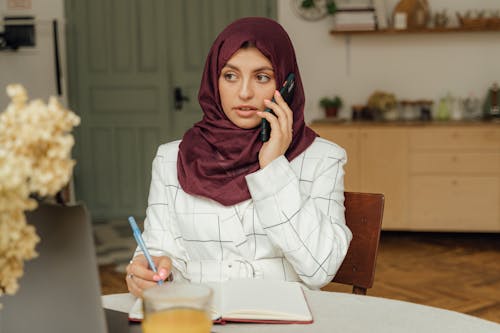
245 81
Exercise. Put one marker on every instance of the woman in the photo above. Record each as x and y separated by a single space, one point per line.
222 205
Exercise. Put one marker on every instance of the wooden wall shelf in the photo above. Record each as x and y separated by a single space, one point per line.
415 31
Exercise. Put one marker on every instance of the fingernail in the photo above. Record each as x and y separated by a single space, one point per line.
267 101
277 92
163 273
157 277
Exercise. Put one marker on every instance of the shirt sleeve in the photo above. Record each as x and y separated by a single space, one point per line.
157 233
302 211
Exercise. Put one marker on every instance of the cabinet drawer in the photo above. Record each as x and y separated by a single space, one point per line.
459 138
440 203
445 162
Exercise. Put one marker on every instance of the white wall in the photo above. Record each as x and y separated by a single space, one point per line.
34 67
413 66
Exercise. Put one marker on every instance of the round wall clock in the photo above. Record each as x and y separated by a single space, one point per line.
310 10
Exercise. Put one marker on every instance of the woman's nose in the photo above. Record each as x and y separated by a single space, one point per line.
246 90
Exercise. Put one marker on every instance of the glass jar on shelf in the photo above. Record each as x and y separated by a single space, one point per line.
425 109
472 107
356 112
408 110
443 109
456 108
391 113
401 108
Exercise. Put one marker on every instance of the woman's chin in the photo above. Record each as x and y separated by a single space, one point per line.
247 123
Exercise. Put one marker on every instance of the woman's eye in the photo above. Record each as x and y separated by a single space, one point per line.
230 76
263 78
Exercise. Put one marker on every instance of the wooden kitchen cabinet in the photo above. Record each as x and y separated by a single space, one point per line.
347 138
435 176
384 164
454 178
376 162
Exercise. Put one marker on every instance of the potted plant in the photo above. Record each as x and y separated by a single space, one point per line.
383 105
331 105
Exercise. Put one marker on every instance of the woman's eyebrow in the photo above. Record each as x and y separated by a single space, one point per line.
230 66
255 70
264 68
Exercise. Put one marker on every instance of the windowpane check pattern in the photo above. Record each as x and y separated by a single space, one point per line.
293 228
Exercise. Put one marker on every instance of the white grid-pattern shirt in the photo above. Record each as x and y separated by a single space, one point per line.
293 227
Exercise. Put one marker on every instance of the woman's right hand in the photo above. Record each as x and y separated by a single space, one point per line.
140 276
281 130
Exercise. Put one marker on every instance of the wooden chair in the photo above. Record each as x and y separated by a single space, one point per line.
363 216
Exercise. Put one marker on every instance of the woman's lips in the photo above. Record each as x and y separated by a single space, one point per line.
245 111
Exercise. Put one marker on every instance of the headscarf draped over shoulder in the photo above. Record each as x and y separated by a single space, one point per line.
215 155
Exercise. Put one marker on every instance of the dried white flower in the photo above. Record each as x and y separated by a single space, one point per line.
35 147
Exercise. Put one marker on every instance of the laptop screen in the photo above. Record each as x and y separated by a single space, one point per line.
60 290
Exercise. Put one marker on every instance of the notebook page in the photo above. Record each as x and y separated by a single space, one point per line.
216 306
135 312
264 299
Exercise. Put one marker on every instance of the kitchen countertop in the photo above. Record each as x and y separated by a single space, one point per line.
400 123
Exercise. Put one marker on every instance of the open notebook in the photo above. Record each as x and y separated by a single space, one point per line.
258 301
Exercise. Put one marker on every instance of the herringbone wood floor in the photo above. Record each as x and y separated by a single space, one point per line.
459 272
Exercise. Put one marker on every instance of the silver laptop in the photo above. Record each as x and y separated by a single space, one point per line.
60 290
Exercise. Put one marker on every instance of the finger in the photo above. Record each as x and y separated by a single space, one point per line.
129 269
273 121
282 115
133 288
164 265
286 108
137 261
140 268
284 127
141 283
136 285
279 114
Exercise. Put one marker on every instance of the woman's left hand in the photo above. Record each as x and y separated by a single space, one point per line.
281 130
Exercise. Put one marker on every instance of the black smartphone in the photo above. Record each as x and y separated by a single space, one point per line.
286 92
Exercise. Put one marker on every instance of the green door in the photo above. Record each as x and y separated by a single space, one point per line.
126 60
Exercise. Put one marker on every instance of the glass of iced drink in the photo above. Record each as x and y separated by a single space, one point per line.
177 307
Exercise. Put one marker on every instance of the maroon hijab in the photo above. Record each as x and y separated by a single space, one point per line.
215 155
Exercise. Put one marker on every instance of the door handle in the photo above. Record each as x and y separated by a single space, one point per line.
179 98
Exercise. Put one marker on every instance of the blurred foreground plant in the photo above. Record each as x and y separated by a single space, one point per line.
35 147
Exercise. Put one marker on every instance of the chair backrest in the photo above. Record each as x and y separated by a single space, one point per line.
363 214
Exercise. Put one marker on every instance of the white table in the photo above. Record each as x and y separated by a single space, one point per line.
341 312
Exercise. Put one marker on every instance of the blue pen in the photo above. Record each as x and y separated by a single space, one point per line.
140 242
